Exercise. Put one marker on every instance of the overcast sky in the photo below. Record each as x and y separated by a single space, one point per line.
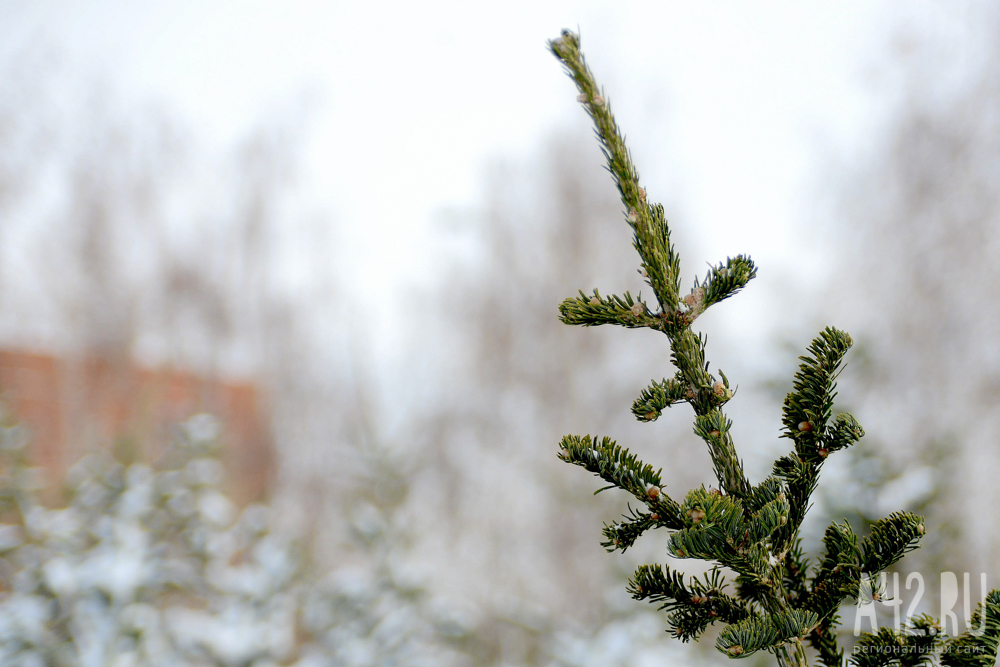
733 110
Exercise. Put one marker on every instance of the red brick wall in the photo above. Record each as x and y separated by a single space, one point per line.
73 407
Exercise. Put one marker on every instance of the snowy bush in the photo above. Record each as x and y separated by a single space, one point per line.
143 566
156 566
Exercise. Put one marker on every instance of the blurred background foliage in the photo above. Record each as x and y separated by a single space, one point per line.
424 518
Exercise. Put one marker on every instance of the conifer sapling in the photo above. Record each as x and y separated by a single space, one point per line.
779 602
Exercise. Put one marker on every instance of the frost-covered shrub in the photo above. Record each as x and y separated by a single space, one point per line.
143 566
154 565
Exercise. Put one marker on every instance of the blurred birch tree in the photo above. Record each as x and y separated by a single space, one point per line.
129 239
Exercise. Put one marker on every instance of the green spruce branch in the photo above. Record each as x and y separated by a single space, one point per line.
780 602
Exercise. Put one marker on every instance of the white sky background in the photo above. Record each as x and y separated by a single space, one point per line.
731 110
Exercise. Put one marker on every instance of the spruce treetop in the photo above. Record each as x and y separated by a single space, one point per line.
779 601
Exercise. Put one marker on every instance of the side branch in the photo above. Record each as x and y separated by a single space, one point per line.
619 468
692 607
621 536
806 419
720 283
977 649
659 396
595 310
